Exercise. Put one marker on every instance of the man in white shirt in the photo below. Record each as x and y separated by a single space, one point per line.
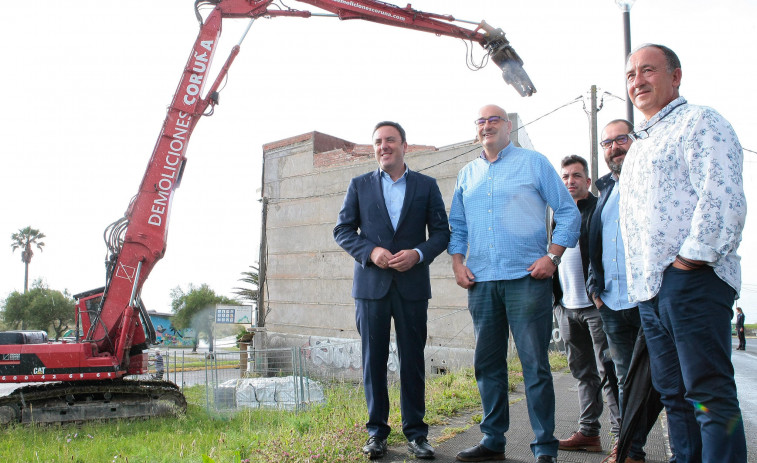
682 211
581 324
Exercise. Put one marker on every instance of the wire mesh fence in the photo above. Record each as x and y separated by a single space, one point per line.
274 378
171 365
288 378
283 378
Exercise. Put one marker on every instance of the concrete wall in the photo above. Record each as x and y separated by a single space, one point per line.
308 277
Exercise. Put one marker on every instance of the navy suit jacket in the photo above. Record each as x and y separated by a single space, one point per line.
596 281
364 223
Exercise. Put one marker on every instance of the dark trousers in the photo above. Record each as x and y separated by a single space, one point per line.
688 331
373 318
623 329
742 338
586 345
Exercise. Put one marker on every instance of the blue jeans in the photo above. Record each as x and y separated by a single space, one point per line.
525 306
688 330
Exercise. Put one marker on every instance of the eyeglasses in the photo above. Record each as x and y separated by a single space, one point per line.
491 120
620 140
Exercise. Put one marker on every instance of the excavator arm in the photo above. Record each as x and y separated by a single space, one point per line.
491 39
113 329
118 327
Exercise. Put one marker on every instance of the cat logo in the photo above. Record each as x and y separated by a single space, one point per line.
39 370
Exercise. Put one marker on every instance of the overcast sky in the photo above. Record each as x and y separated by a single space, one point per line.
86 86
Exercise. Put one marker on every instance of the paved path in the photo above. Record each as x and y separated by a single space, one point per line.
520 435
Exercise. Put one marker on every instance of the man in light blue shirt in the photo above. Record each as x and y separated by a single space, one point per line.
498 220
607 282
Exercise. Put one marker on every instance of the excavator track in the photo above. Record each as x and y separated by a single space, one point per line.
82 401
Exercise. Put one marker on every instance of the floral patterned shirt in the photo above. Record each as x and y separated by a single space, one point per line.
681 193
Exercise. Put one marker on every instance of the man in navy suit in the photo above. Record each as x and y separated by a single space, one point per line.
383 224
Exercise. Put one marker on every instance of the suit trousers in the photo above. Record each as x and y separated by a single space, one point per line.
373 318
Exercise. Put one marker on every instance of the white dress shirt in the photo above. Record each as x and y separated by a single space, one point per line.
682 194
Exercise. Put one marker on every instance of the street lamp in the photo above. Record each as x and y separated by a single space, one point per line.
625 7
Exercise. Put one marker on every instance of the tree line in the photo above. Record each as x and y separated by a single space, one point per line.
43 308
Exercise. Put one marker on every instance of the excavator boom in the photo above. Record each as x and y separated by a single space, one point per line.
112 325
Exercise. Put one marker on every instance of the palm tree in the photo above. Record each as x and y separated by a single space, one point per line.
251 278
24 240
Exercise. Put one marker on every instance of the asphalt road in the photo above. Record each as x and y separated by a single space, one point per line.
745 372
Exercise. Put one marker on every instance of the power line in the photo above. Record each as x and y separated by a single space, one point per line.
576 100
514 130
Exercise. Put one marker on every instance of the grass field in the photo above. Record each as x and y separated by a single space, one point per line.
332 432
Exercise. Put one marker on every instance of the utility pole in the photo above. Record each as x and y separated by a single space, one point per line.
625 7
260 338
262 267
594 149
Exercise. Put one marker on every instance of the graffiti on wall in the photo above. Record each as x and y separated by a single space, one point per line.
167 335
557 342
343 353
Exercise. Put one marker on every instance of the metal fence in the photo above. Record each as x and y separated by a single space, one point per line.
174 365
289 378
274 378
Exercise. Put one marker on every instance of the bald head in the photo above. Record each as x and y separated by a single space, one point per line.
494 132
493 110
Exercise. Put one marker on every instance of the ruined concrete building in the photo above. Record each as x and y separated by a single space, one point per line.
306 278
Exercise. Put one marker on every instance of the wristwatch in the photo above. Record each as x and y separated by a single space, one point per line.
554 258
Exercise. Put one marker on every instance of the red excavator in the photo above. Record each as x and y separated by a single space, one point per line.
86 378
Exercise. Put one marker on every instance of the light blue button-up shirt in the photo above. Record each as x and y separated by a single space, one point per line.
615 295
498 214
394 198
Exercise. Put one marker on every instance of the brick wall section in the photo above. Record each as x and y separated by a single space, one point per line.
321 142
343 156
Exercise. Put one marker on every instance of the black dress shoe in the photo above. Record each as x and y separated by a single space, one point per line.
375 448
546 459
421 448
480 453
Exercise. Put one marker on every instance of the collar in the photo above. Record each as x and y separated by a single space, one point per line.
386 176
500 155
603 181
642 130
589 200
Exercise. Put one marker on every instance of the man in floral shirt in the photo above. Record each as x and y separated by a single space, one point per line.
682 211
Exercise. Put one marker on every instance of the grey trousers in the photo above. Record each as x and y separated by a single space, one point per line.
586 346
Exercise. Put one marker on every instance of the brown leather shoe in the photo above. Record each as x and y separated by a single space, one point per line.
578 441
613 457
